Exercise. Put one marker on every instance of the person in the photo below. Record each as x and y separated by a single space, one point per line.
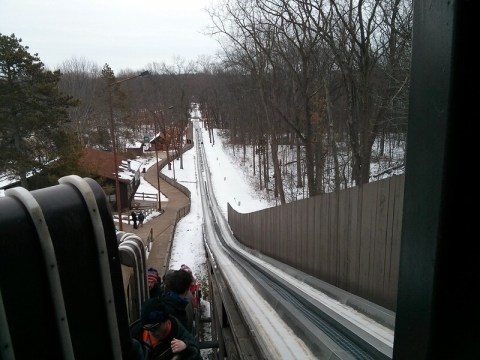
176 289
192 295
141 218
162 336
194 287
134 219
154 283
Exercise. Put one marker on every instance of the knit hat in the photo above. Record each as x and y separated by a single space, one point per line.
186 268
153 270
152 275
154 312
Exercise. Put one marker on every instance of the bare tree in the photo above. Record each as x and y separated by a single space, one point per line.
81 79
362 36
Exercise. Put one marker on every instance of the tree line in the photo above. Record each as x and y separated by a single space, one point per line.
331 76
329 79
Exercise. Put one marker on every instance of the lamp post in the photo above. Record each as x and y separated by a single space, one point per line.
114 145
158 170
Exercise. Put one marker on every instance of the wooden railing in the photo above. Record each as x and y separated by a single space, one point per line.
146 196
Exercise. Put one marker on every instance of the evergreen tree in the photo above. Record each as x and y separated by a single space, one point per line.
33 112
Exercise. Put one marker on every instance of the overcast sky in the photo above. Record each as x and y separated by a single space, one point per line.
124 34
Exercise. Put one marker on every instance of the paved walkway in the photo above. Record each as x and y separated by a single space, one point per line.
162 227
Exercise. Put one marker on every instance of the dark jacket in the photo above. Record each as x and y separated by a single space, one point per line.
176 306
163 350
155 291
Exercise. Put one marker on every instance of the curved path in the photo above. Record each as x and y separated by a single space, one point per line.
162 227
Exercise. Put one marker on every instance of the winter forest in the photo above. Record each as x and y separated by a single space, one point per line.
313 97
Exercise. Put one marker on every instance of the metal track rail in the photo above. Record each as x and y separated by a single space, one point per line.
328 333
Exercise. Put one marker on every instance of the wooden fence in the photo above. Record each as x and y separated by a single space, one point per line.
350 238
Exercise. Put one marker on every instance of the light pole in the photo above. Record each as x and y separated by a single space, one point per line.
114 145
174 136
158 170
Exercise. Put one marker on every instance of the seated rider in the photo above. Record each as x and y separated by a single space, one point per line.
154 283
162 336
175 297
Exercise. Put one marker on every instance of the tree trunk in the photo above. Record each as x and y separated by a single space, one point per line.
299 163
331 136
276 171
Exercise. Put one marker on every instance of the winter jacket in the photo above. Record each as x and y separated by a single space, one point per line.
155 291
162 351
176 306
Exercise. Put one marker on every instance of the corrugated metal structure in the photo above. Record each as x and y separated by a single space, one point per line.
350 238
60 274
